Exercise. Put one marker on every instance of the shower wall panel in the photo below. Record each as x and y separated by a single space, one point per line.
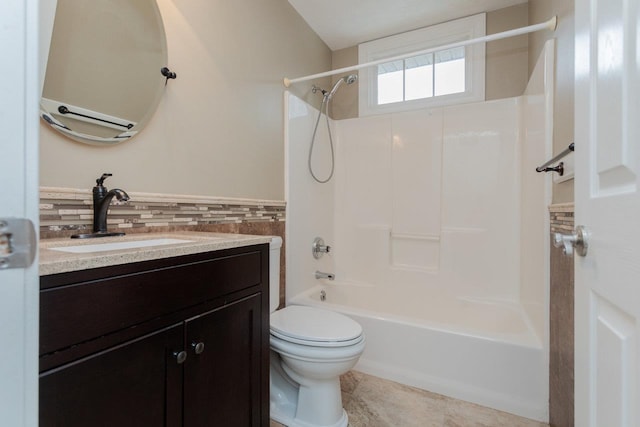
537 130
310 203
480 199
416 169
430 198
438 198
363 199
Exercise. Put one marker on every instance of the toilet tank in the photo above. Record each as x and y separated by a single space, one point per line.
274 273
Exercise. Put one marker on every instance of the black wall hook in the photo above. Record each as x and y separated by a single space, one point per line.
559 169
168 74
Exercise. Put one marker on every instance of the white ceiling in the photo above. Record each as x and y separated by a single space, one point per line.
345 23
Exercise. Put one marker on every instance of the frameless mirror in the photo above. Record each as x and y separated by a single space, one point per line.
104 76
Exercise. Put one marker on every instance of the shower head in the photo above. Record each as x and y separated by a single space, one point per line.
351 78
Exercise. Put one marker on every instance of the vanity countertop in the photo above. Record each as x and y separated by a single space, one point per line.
54 261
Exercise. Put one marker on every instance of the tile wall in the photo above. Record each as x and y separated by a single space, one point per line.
561 380
67 211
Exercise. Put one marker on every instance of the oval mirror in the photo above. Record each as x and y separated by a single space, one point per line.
104 77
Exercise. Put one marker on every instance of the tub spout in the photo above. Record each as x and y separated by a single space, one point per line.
321 275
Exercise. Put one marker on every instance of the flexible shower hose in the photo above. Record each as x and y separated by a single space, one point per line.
325 106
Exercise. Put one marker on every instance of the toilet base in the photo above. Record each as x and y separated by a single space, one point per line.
296 405
289 420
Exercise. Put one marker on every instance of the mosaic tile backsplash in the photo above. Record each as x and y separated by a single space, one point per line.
67 211
561 217
71 210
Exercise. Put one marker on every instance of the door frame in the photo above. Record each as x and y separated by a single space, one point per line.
19 192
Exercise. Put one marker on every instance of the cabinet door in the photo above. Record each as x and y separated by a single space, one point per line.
222 383
137 384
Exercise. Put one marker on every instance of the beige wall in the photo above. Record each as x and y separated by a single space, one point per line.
218 130
507 69
344 104
539 11
507 63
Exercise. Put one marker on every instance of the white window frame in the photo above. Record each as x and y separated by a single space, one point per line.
425 38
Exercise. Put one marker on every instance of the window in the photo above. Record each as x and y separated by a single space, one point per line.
438 78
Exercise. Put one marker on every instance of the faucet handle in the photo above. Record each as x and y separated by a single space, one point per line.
318 248
104 176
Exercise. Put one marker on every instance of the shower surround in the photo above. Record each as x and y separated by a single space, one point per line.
439 235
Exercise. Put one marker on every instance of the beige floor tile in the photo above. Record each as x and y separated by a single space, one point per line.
374 402
350 380
348 383
464 414
379 403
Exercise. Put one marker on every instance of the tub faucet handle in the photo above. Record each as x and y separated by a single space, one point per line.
318 248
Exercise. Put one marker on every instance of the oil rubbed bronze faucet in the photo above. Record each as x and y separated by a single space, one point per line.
101 201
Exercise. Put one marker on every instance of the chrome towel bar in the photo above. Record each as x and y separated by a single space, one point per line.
560 168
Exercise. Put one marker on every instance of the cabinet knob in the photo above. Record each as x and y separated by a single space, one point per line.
198 347
180 356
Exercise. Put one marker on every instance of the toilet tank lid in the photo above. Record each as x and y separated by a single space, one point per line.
314 324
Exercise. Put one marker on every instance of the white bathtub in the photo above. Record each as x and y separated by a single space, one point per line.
471 349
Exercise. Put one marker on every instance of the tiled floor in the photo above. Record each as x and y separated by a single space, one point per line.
374 402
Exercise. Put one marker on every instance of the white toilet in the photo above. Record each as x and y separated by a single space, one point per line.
310 349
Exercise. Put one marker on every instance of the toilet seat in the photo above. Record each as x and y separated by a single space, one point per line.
315 327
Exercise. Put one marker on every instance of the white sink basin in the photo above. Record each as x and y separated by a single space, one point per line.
116 246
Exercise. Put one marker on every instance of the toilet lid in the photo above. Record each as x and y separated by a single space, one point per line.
297 323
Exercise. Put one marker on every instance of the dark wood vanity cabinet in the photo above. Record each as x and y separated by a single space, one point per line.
130 384
180 341
224 394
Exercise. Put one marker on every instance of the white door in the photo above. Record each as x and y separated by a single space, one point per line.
19 89
607 178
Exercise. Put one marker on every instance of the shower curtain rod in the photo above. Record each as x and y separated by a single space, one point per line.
548 25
